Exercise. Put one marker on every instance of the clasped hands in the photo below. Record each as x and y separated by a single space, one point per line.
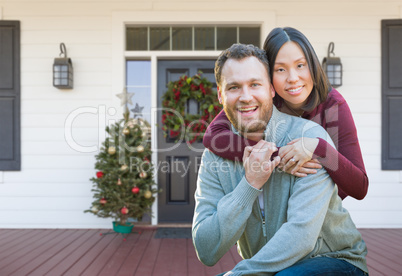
294 158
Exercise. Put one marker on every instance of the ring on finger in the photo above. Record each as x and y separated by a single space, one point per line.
292 160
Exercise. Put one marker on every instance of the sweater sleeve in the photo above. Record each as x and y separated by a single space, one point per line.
219 218
345 165
220 139
297 238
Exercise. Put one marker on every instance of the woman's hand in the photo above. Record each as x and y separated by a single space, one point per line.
296 157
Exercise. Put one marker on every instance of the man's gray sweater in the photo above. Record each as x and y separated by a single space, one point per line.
304 217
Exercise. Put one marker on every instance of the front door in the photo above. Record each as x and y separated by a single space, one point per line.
178 164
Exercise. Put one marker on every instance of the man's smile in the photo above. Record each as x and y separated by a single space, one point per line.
247 110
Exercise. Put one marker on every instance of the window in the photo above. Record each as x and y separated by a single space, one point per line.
189 38
138 81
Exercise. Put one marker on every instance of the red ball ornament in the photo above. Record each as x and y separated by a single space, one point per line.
124 210
103 201
135 190
99 174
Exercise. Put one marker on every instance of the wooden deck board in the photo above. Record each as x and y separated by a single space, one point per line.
12 260
87 259
134 258
146 265
47 252
113 266
58 258
70 258
37 252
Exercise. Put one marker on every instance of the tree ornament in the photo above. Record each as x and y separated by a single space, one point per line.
135 190
131 124
124 210
111 150
140 148
143 175
125 97
118 182
124 167
137 110
126 131
94 209
103 201
99 174
147 194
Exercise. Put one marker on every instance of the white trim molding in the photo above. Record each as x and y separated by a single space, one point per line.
267 21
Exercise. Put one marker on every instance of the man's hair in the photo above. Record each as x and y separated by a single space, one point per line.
238 52
274 42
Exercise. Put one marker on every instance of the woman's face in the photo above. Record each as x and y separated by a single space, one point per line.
291 77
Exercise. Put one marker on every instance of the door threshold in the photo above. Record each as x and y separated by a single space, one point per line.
174 225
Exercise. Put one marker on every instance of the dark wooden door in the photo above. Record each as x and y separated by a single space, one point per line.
177 163
391 40
10 148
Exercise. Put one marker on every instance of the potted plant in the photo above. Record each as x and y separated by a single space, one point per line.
123 186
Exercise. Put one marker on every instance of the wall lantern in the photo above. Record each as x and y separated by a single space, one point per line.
63 70
333 67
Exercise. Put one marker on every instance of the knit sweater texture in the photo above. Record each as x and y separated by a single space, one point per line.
304 217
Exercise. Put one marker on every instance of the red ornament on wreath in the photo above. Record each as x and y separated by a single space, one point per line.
177 121
99 174
103 201
135 190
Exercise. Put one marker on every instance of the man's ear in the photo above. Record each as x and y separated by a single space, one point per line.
219 95
272 90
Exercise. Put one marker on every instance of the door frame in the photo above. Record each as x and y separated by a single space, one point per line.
266 19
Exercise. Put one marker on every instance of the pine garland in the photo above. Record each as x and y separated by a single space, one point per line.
179 124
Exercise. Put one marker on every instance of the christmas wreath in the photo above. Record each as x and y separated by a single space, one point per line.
177 122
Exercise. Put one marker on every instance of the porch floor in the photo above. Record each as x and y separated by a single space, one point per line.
85 252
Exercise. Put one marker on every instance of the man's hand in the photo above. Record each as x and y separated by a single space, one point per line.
257 163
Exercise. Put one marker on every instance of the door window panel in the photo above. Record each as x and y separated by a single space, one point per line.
138 81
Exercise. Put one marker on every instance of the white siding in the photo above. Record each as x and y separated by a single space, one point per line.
53 187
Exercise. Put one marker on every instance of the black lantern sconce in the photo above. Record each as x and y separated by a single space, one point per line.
63 70
333 67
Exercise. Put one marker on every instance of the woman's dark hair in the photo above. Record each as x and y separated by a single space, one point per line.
275 40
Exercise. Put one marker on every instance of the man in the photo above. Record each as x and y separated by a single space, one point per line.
281 223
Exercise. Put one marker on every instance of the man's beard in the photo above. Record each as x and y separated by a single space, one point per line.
256 125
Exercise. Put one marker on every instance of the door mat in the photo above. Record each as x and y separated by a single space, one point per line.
173 233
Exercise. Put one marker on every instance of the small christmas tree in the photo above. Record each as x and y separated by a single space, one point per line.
124 186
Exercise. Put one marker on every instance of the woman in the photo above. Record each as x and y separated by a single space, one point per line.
302 89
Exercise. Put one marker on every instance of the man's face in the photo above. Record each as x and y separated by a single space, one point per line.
246 94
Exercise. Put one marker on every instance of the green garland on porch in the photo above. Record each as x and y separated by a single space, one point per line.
179 124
